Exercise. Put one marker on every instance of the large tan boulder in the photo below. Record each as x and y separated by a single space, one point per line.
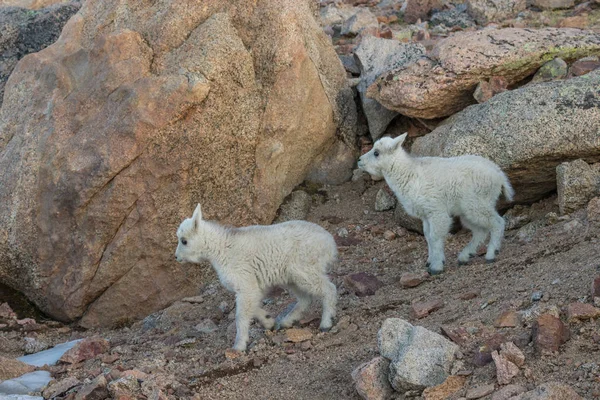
30 4
109 137
443 83
528 132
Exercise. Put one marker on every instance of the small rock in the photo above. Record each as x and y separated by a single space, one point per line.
424 308
508 319
485 12
420 358
206 326
537 296
507 392
86 349
362 283
389 235
505 370
33 345
58 388
468 295
553 4
6 312
124 388
420 9
584 66
457 335
575 185
549 333
136 373
485 90
224 307
10 368
551 71
342 232
384 201
596 287
593 210
581 312
363 19
193 300
579 22
295 207
512 353
371 379
451 385
109 358
483 354
480 391
232 354
550 391
455 17
95 390
410 280
297 335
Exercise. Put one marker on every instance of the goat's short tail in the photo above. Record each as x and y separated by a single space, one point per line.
507 189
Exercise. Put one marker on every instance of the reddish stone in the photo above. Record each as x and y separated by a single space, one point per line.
424 308
371 379
508 319
549 333
10 368
457 335
469 295
451 385
362 283
505 370
410 280
7 312
483 354
85 350
596 287
512 353
584 66
580 22
479 391
581 311
419 9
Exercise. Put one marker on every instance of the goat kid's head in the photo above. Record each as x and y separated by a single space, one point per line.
377 160
192 238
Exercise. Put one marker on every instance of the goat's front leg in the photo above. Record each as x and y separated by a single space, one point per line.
439 226
245 304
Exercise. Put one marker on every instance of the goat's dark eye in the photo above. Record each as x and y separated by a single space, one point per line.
376 153
183 242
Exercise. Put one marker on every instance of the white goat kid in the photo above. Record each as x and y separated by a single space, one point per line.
435 189
251 260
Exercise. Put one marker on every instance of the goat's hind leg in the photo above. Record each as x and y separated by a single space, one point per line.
479 236
303 302
497 233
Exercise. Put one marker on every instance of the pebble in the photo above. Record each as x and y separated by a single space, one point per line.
537 296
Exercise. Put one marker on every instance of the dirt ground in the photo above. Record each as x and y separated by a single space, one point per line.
559 260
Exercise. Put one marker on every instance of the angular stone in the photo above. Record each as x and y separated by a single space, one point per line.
457 335
362 19
507 392
406 221
577 183
58 388
420 9
584 66
295 207
484 11
207 102
550 391
443 83
297 335
483 354
95 390
581 312
486 129
512 353
508 319
86 349
505 370
480 391
10 368
549 333
371 379
455 17
362 283
485 90
596 287
451 385
420 358
551 71
422 309
374 57
6 312
384 201
124 388
469 295
593 210
410 280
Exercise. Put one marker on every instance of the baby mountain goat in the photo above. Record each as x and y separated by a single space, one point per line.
251 260
435 189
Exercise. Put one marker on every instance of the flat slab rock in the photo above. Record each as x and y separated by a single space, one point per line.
443 83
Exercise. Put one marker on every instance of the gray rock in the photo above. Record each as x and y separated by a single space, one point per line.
384 201
33 345
360 20
550 391
577 183
517 217
406 221
485 11
374 57
349 63
419 358
551 71
456 16
527 132
24 31
333 15
206 326
295 207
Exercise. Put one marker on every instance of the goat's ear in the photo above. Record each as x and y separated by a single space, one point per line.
197 215
397 142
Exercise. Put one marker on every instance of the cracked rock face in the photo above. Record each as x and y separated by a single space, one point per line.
110 136
444 83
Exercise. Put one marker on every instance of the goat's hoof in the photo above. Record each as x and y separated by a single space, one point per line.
427 265
325 329
490 261
461 263
434 272
497 252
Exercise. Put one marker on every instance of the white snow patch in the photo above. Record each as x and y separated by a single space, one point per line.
31 382
50 356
